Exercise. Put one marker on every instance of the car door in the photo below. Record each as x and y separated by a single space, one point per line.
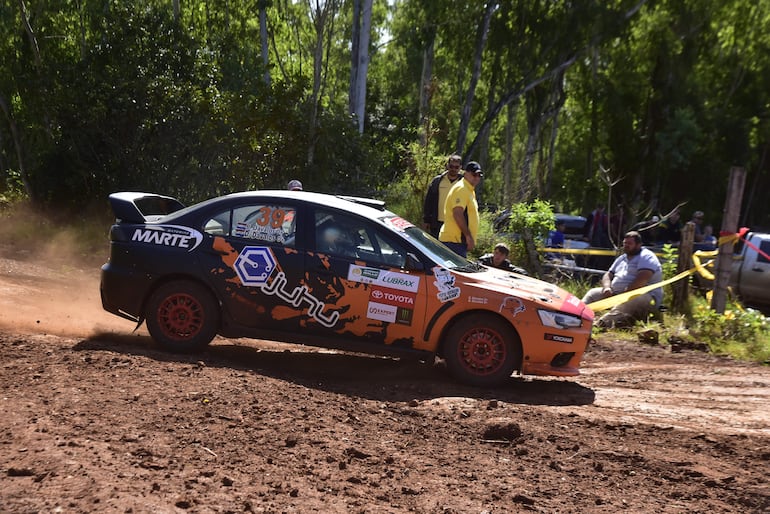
755 273
358 269
255 263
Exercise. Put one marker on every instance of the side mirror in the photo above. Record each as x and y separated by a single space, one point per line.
413 263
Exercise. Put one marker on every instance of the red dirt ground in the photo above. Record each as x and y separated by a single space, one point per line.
97 419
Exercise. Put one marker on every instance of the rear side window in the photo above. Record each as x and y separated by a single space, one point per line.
765 247
261 223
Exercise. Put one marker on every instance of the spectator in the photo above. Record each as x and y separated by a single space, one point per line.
670 229
499 259
461 212
697 220
596 229
433 208
635 268
555 237
649 230
294 185
708 236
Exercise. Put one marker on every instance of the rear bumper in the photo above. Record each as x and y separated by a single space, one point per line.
123 291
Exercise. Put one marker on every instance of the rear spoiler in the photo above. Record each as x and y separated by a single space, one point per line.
130 207
369 202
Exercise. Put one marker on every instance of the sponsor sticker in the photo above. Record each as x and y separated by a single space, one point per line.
399 223
385 278
512 306
392 297
381 312
268 234
404 316
478 299
174 236
445 283
558 338
256 266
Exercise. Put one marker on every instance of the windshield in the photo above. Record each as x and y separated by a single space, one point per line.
439 253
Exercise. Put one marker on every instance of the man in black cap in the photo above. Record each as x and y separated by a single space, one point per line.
461 212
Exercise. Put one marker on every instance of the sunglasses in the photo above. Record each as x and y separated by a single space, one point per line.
477 173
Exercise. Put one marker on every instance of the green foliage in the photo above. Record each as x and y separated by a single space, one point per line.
407 194
577 285
122 95
669 263
486 239
739 332
528 221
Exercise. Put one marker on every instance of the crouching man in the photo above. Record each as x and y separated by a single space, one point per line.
635 268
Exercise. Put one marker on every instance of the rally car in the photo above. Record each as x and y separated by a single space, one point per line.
330 271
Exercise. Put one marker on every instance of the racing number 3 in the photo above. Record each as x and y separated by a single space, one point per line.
273 217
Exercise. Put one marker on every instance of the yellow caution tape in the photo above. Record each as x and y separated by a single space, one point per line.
698 267
578 252
612 301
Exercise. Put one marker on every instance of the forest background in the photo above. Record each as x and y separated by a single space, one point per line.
640 105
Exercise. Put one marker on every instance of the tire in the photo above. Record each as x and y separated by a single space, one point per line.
482 350
182 316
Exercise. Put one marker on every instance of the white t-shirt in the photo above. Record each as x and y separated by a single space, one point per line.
625 269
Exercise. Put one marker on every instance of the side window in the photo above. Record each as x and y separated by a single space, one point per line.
765 247
392 254
336 234
346 236
263 223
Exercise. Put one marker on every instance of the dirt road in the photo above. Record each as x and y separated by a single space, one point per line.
96 419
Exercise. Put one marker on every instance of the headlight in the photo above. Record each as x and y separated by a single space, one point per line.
558 319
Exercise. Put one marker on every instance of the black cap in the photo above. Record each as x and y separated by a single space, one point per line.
473 167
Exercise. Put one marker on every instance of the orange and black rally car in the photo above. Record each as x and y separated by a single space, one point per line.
330 271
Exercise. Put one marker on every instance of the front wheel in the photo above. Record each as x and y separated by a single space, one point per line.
182 316
482 350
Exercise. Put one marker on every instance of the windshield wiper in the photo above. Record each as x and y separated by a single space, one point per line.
471 267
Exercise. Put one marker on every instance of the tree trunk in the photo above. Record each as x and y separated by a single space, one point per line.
730 217
481 43
4 106
510 131
363 63
426 86
263 40
322 15
354 49
512 95
681 287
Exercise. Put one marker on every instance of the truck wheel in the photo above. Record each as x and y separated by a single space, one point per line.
482 350
182 316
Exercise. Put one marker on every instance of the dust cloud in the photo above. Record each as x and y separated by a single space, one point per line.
49 276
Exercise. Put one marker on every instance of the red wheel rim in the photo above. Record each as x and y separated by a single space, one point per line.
180 316
482 351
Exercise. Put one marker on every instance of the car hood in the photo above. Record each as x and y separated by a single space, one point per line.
543 293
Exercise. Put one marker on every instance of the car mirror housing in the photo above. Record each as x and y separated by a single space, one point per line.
413 263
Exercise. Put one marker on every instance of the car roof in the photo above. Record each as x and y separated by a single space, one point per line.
367 207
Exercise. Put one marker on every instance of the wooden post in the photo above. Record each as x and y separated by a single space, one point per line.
729 226
682 287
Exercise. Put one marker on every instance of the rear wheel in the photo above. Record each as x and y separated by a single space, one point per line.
182 316
482 350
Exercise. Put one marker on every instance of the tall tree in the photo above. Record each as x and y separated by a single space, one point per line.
481 43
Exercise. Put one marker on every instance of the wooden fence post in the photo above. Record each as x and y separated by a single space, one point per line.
729 226
682 287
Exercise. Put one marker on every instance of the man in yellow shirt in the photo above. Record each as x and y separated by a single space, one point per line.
461 212
433 207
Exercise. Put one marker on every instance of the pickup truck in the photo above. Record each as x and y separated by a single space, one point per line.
750 274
